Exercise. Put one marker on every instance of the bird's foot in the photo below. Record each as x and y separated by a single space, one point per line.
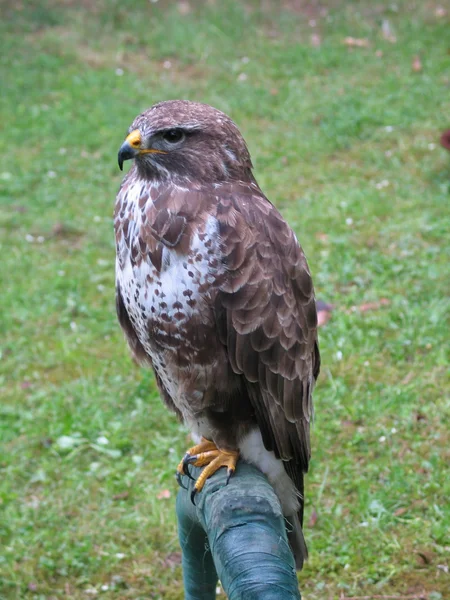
206 454
183 467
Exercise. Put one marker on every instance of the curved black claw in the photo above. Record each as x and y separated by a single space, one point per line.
193 495
187 460
180 480
229 474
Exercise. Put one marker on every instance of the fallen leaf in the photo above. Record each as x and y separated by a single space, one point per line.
323 312
350 423
315 40
400 511
172 560
313 518
408 378
121 495
416 64
445 139
163 495
424 557
33 501
184 8
352 42
59 228
63 230
373 305
323 316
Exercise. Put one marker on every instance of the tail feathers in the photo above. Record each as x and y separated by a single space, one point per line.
296 540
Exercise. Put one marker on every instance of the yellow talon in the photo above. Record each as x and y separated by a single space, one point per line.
215 460
204 446
206 454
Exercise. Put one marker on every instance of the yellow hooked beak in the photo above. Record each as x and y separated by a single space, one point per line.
132 148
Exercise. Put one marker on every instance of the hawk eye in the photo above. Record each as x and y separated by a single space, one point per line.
173 136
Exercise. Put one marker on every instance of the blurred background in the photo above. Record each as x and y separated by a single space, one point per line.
342 104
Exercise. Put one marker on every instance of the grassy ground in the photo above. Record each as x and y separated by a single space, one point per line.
345 142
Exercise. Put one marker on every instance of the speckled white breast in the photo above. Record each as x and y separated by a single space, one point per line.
161 304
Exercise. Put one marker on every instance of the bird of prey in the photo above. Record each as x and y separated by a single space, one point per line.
213 292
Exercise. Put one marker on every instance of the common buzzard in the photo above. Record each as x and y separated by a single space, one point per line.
214 293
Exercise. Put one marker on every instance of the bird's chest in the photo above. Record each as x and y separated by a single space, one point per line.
163 305
168 285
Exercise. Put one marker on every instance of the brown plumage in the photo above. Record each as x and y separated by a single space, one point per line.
214 292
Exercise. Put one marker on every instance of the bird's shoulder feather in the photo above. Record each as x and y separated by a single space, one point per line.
266 316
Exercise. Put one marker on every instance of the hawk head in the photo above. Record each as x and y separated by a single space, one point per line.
181 140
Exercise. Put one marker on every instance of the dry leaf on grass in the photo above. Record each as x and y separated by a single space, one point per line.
352 42
323 312
163 495
416 64
372 305
424 557
445 139
408 378
400 511
121 496
350 423
313 518
323 316
172 560
184 8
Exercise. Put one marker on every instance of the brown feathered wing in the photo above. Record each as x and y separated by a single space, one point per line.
266 315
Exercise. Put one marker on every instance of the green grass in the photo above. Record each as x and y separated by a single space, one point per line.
345 142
